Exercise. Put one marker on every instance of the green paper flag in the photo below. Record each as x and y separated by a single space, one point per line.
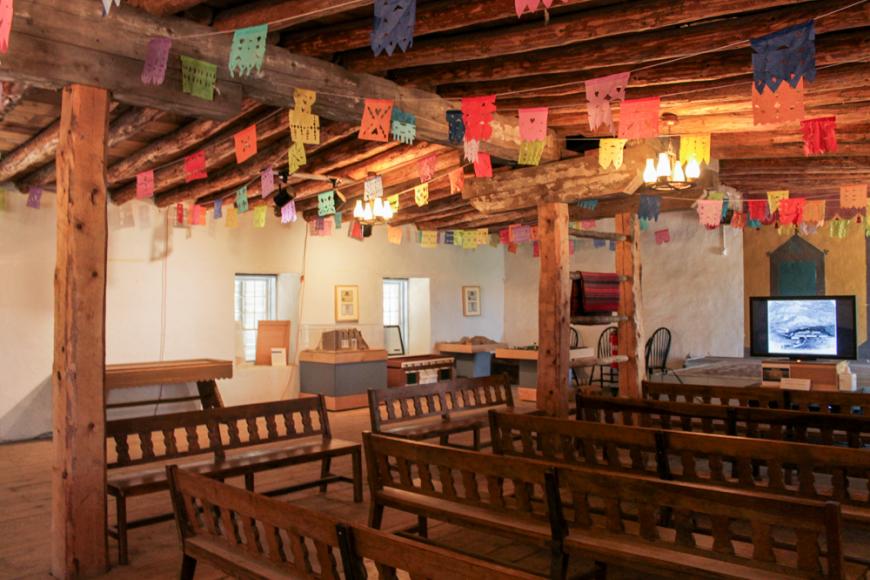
326 203
198 77
248 49
242 199
337 219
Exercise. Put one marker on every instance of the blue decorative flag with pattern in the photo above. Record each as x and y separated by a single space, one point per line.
456 126
394 25
649 207
785 55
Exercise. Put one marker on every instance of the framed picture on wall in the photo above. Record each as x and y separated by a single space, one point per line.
346 303
471 300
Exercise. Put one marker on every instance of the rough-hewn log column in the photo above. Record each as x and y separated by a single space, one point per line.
78 525
554 315
629 330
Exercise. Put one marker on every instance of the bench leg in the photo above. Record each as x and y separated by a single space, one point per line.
558 565
376 516
249 481
356 458
444 440
325 464
476 439
121 507
188 567
422 526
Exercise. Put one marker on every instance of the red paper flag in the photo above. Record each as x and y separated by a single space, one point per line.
179 214
536 250
819 135
483 165
757 209
639 118
5 24
663 236
533 124
504 236
426 167
512 248
246 143
145 184
375 125
194 167
476 114
738 220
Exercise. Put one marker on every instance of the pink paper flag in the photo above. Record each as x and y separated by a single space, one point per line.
533 124
709 212
483 165
457 180
267 181
639 118
5 24
156 58
246 144
600 93
194 167
519 234
587 224
476 114
34 197
504 236
198 216
663 236
531 5
820 135
426 167
145 184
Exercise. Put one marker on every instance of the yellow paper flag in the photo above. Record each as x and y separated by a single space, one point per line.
429 239
260 216
695 147
421 194
774 197
232 217
610 152
394 235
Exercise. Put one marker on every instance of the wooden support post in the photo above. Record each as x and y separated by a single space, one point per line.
78 524
630 329
554 309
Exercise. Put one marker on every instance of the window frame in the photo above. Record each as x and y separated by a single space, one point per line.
403 310
270 309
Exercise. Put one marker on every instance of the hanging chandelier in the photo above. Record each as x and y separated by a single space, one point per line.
372 211
667 173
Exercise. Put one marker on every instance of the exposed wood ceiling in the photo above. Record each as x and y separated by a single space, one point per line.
478 47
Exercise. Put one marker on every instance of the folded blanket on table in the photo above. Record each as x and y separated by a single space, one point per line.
594 292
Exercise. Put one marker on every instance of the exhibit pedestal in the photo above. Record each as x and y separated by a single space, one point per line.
342 377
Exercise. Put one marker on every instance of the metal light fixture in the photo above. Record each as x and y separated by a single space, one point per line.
372 211
667 174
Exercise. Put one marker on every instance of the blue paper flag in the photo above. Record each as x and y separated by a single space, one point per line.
612 246
785 55
403 126
588 203
248 49
596 243
448 238
456 126
218 209
394 25
649 207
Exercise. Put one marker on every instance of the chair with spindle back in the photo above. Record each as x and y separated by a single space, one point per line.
607 348
656 351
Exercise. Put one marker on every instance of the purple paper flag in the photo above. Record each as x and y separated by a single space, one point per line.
218 209
267 181
288 212
34 197
394 25
600 93
156 58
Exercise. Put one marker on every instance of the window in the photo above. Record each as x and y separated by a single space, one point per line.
396 305
255 301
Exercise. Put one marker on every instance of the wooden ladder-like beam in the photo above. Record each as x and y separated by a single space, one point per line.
629 328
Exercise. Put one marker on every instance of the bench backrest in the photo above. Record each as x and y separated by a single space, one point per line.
401 404
140 440
826 473
507 485
158 438
822 401
801 426
745 526
285 536
248 425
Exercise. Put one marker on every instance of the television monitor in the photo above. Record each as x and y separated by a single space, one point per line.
803 327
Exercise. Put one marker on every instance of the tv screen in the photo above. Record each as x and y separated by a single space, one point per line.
803 327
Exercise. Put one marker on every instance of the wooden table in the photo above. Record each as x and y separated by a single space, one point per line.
472 360
202 371
527 362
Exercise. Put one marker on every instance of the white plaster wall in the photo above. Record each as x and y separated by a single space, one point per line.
419 317
687 285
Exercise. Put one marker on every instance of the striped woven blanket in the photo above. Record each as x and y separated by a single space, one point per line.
594 292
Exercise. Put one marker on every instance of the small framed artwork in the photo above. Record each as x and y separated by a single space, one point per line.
471 301
346 303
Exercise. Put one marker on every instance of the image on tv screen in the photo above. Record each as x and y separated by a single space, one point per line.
802 327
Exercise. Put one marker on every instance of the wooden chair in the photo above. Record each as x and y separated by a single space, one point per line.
606 342
248 535
656 351
237 441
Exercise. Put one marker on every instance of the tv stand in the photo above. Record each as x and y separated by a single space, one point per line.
822 374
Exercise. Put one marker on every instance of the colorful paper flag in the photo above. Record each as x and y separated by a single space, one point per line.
839 228
600 94
782 106
588 224
248 49
429 239
403 126
179 214
520 234
695 147
288 212
34 197
820 135
394 235
421 194
260 216
533 123
773 199
457 180
853 196
662 236
267 181
483 165
590 204
326 203
393 25
296 157
304 125
246 143
738 220
194 167
198 77
242 199
649 207
814 211
373 187
375 124
758 209
787 55
477 113
530 153
145 184
531 5
709 212
197 215
156 59
455 126
639 118
217 213
393 200
6 14
107 6
611 152
426 168
791 211
232 219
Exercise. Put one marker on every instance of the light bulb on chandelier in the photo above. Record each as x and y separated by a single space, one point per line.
667 173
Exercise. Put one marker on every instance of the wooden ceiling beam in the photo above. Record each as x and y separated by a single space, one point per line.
645 47
219 150
282 13
163 7
432 17
181 141
821 166
560 31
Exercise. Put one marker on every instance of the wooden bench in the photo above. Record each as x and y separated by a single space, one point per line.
801 426
632 521
220 443
820 401
252 536
439 410
779 467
